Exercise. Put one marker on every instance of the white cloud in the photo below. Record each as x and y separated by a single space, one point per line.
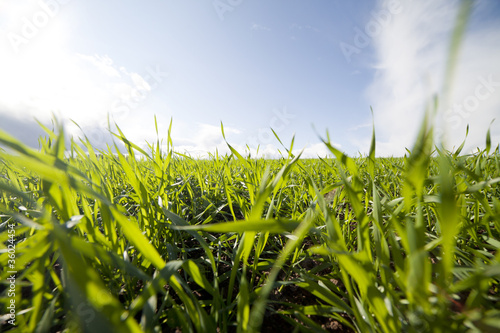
301 27
46 79
411 57
103 63
256 26
317 149
206 138
41 76
82 88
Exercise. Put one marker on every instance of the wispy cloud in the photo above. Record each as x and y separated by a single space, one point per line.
103 63
358 127
411 56
206 138
296 26
256 26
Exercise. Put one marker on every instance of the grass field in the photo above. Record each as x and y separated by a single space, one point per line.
100 241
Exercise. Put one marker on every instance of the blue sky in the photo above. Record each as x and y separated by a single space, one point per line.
299 67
